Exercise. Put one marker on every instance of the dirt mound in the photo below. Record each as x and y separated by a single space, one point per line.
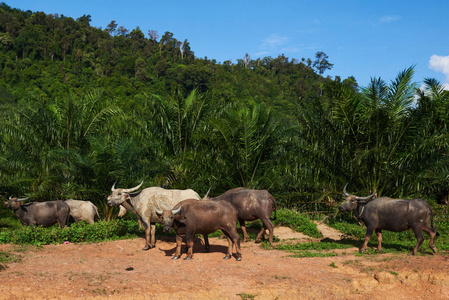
121 270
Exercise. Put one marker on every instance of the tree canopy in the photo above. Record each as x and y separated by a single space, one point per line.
84 107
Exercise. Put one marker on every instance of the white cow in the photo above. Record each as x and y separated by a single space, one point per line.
143 204
82 210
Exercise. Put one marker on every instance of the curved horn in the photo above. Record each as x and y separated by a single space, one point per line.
22 199
344 191
159 212
207 194
176 211
113 187
10 197
367 197
133 189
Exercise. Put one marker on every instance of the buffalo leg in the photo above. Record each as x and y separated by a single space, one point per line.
245 233
232 234
266 225
147 236
379 240
178 247
153 236
190 241
206 243
432 232
229 253
369 233
419 238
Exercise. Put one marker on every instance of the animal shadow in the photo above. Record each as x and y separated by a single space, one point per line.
198 246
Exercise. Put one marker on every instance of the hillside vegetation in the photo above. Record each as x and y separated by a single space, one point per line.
84 107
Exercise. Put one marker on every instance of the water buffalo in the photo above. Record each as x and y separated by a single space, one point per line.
252 205
142 205
39 213
190 217
397 215
82 210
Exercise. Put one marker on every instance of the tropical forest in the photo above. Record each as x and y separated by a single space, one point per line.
83 108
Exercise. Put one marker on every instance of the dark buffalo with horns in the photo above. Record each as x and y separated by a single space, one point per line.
190 217
143 204
252 205
396 215
39 213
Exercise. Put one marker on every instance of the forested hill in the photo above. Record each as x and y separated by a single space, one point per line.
83 107
51 54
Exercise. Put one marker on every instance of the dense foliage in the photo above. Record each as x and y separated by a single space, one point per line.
84 107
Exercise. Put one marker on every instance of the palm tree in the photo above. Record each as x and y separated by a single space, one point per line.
244 142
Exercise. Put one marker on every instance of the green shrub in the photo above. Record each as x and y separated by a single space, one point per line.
77 232
297 221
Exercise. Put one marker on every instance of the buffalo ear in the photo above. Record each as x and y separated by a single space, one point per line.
180 218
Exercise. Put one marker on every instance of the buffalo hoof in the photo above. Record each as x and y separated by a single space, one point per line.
146 248
175 257
239 258
187 258
258 241
227 257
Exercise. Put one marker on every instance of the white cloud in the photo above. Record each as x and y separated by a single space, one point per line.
440 64
390 18
275 40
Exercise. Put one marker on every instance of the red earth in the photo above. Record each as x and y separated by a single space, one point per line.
121 270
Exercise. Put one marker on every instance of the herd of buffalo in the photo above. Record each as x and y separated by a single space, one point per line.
189 214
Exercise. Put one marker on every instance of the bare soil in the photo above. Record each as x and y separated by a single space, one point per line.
121 270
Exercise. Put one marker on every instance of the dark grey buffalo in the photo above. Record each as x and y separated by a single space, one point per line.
252 205
40 213
397 215
82 211
191 216
143 204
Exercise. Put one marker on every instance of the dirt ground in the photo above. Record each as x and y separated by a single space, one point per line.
121 270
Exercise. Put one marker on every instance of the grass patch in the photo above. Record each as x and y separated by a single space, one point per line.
6 257
297 222
245 296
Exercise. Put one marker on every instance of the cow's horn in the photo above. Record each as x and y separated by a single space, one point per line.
133 189
344 191
113 187
208 191
22 199
367 197
159 212
176 211
10 197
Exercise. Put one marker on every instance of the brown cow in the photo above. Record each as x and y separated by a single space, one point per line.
252 205
191 216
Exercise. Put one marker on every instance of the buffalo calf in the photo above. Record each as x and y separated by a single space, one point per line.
191 216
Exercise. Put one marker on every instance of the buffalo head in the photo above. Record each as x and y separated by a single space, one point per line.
119 196
14 203
351 201
168 217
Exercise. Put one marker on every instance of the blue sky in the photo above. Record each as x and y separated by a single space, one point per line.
363 39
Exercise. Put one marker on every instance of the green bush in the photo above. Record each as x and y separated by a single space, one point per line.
77 232
297 221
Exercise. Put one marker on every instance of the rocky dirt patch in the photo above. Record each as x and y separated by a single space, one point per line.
121 270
